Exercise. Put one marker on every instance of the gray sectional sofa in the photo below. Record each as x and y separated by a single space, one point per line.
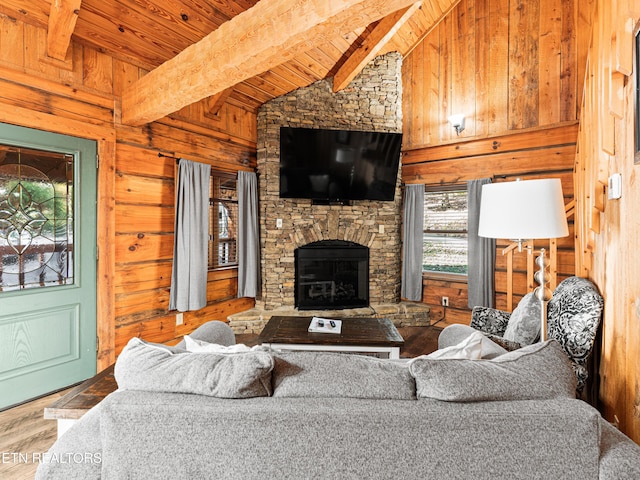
261 415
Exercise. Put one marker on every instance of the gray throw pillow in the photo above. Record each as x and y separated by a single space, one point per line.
145 366
524 323
538 371
322 374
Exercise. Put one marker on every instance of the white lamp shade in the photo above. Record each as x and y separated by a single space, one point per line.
523 210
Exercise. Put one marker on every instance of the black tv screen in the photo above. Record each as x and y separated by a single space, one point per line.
338 165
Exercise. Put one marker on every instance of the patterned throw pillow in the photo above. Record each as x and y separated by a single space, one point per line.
524 323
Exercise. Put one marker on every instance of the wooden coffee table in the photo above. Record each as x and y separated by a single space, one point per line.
365 335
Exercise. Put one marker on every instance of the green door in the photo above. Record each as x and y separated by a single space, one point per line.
48 262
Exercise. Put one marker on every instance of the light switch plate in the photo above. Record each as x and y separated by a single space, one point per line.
615 186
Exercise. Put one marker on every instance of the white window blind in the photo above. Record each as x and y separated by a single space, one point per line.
445 230
223 216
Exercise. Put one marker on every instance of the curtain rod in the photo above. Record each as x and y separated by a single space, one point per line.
177 159
161 155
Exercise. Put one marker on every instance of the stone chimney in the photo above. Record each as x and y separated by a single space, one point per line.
372 102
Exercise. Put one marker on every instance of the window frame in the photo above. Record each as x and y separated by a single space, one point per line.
214 202
437 275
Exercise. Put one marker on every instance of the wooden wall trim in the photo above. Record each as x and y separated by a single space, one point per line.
189 144
106 247
542 162
52 123
538 151
76 92
105 136
555 135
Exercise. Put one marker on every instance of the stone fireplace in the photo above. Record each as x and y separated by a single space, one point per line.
372 102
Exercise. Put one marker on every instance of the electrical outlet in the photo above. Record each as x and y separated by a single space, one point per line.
445 301
179 319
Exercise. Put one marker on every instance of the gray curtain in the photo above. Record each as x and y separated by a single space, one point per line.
482 252
412 242
191 237
248 235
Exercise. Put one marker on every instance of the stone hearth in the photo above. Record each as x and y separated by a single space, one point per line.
402 314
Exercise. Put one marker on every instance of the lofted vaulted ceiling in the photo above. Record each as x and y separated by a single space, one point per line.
207 45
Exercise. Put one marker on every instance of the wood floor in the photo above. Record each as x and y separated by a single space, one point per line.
25 434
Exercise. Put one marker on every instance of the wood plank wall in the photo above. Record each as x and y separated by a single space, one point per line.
80 96
609 230
515 69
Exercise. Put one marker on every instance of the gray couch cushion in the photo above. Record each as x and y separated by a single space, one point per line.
619 457
525 322
143 366
539 371
151 436
322 374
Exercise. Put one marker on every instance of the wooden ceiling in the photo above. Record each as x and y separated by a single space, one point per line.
149 33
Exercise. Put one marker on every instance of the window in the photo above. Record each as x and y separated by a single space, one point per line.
445 230
223 220
36 218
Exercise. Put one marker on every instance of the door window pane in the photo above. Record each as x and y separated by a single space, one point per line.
36 218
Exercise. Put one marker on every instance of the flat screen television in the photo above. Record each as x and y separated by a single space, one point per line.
338 165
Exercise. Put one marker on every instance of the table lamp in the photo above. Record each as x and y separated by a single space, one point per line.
525 210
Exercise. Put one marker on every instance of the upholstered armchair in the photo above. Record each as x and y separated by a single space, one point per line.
573 317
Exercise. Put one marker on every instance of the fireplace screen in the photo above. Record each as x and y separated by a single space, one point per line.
331 274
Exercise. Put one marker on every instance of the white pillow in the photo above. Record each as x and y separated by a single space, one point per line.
470 348
200 346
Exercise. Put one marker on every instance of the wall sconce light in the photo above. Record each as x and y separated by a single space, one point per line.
457 122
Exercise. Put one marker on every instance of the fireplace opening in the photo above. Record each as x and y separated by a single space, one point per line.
331 274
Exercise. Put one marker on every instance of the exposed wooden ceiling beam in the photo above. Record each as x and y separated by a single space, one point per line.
379 36
62 21
268 34
215 102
